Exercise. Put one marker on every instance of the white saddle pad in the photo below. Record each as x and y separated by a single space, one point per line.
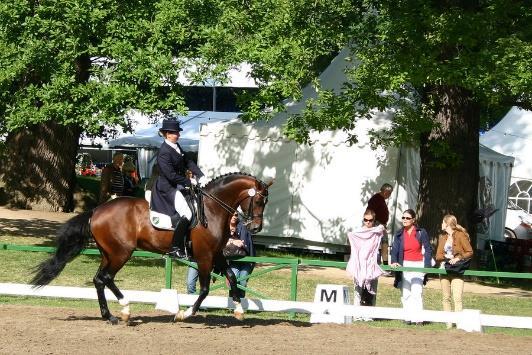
160 221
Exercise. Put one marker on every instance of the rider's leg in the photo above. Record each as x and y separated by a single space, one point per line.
178 241
181 227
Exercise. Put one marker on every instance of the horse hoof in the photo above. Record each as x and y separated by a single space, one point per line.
179 316
113 320
125 317
239 316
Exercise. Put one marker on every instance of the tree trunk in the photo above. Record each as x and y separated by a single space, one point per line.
38 168
449 162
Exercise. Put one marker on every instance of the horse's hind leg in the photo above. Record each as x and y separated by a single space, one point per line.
122 300
100 280
105 277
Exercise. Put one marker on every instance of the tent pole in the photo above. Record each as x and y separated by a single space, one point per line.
493 256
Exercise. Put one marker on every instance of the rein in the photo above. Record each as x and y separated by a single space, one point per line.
232 210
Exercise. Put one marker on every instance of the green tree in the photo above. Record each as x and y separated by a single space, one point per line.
78 66
440 65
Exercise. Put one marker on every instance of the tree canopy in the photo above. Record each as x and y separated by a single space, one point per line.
86 63
402 50
441 65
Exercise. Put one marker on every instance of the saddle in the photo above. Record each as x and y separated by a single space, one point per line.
194 200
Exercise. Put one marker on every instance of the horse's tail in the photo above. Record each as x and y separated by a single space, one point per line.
71 239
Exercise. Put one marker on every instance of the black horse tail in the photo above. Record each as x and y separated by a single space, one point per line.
71 239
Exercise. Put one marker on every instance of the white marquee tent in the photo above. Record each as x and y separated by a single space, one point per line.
513 136
321 190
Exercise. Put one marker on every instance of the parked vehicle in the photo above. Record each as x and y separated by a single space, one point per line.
518 222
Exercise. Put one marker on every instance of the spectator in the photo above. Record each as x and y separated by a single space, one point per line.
378 204
192 278
112 181
453 246
362 264
131 179
241 237
411 248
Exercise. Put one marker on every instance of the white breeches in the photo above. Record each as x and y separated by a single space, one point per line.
181 206
412 291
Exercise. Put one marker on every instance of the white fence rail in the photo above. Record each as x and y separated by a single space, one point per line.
170 300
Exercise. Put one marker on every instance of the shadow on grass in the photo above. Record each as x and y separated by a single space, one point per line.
506 283
31 227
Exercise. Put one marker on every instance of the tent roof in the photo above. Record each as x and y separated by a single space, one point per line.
513 136
490 155
146 134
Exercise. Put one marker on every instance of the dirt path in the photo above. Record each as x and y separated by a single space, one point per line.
40 223
42 330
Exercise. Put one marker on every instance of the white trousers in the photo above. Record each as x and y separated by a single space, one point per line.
181 206
412 292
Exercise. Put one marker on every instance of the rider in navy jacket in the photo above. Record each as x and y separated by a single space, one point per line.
172 180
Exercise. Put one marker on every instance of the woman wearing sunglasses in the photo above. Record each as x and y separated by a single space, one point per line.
362 265
411 248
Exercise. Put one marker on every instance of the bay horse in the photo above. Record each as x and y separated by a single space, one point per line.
122 225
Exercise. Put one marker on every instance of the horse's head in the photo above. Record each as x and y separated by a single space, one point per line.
234 191
252 201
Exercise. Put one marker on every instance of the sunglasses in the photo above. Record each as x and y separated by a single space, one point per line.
406 218
368 220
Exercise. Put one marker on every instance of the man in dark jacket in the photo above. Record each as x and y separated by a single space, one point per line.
377 203
112 180
167 194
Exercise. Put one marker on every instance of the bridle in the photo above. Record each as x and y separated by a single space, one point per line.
251 195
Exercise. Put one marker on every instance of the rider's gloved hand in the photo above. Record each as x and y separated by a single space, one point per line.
193 181
203 181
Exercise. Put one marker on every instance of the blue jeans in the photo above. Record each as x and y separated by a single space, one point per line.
241 270
192 278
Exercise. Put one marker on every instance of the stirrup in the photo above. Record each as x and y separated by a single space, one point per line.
177 253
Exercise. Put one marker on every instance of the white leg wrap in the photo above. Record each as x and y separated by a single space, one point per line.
125 310
188 312
123 301
238 308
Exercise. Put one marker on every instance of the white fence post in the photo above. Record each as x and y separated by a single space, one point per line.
469 320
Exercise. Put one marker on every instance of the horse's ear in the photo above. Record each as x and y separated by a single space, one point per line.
269 183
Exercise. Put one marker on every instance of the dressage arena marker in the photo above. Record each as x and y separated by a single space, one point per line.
335 294
468 320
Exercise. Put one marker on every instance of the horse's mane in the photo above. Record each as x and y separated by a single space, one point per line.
231 177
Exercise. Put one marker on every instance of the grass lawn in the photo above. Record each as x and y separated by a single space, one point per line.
148 274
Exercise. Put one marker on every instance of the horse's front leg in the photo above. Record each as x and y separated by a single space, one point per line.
239 311
204 272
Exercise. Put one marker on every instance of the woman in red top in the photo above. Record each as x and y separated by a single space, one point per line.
411 248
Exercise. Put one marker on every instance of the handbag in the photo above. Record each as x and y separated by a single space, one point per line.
233 251
457 268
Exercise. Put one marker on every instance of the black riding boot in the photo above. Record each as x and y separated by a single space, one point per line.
178 242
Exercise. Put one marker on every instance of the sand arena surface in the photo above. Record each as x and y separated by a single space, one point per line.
44 330
47 330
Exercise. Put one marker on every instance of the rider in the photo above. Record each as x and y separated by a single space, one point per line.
167 194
